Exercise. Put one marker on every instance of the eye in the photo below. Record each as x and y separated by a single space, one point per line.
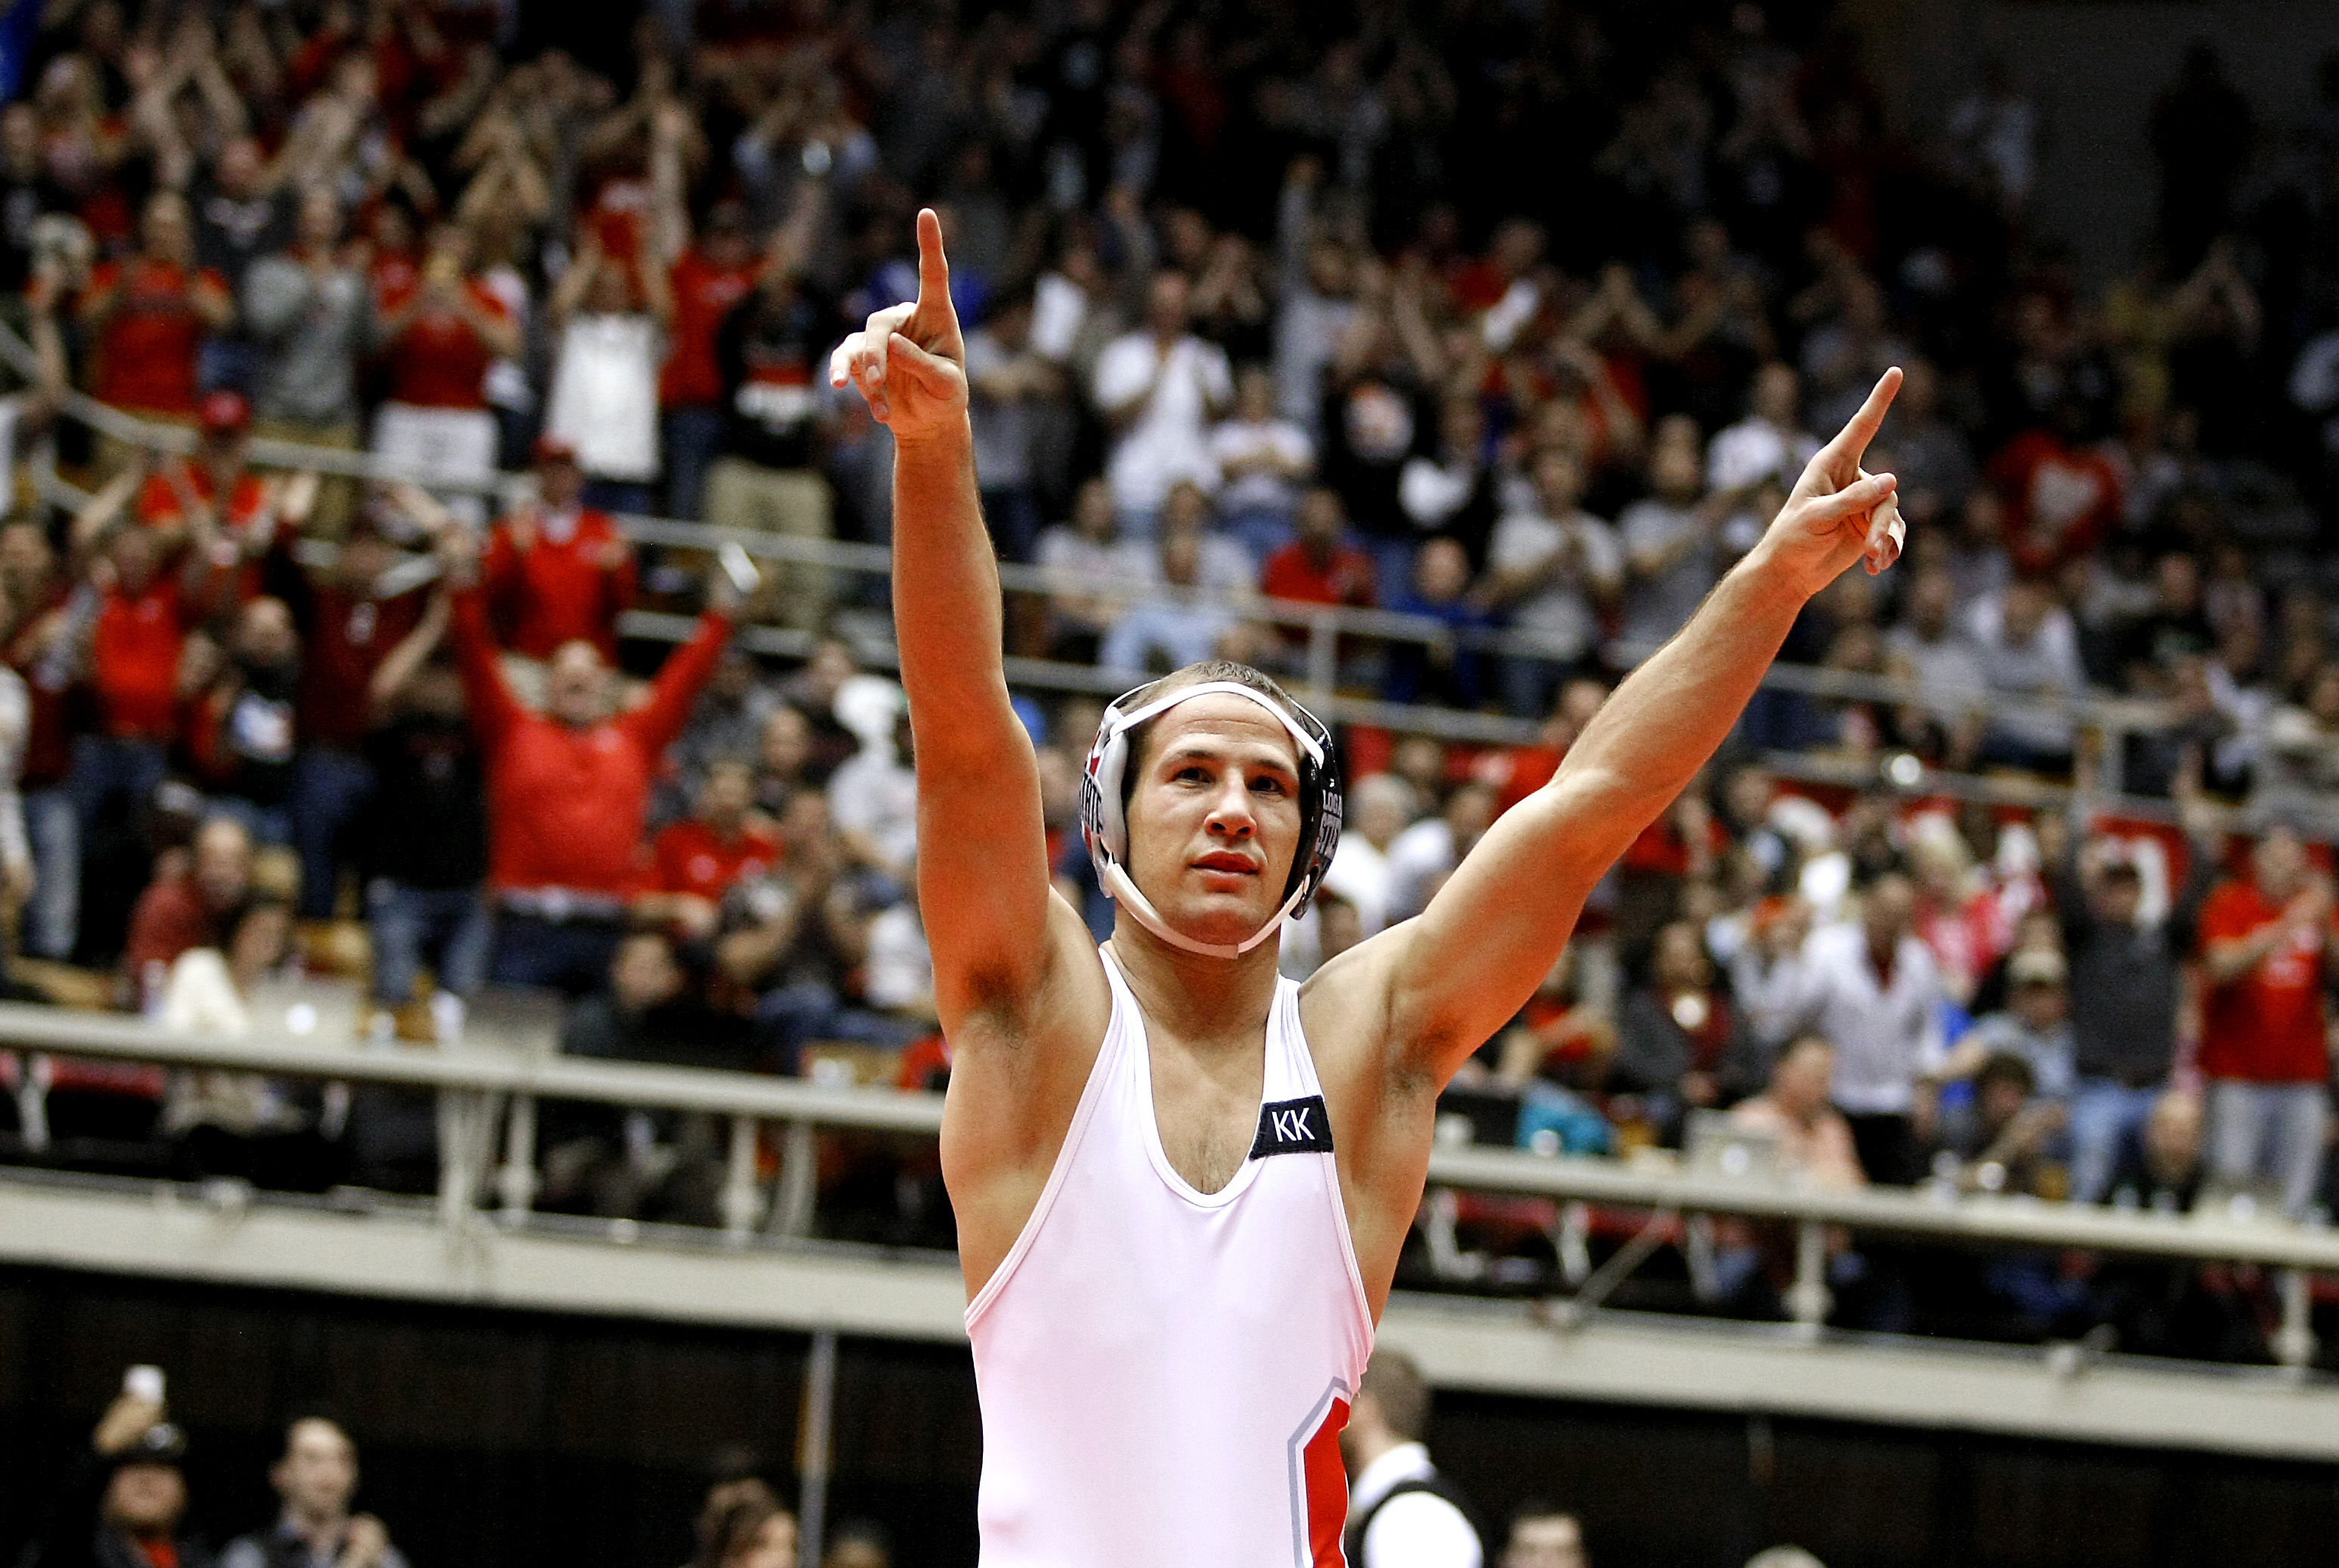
1192 771
1268 783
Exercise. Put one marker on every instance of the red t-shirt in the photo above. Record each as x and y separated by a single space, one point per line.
2061 502
704 293
146 353
559 590
345 641
1347 578
2265 1026
159 503
134 660
688 857
440 361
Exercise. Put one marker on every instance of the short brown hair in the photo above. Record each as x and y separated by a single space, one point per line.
1395 1385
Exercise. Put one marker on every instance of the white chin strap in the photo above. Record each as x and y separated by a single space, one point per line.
1123 888
1141 908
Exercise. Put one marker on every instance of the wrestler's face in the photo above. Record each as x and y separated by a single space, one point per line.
1214 816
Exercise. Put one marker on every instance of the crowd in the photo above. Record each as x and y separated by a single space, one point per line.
126 1501
1254 319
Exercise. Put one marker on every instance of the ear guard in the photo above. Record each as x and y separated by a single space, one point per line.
1104 819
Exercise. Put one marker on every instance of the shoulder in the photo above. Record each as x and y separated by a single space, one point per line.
1423 1530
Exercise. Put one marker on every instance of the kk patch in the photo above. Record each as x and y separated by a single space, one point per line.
1293 1126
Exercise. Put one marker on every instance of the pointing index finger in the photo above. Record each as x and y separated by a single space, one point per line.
934 267
1851 442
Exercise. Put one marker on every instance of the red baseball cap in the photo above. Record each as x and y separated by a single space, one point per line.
224 413
555 450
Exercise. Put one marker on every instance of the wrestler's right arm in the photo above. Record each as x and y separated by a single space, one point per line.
1015 1003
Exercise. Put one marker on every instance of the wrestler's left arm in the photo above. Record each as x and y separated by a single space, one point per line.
1443 983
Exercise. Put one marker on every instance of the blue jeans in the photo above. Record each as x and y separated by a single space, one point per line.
572 958
330 787
447 928
55 828
692 438
794 1016
107 765
2105 1115
620 496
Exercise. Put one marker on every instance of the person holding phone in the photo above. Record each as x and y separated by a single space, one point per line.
125 1503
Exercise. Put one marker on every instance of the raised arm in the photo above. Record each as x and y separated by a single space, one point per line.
1453 975
982 862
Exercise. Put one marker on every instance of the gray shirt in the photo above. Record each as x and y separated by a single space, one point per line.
311 331
1656 607
286 1547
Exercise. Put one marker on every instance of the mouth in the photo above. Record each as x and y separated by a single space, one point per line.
1227 863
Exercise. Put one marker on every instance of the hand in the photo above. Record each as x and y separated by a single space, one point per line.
125 1421
697 917
367 1540
910 361
1840 513
459 547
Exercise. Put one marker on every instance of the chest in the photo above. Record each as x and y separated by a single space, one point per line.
1206 1105
595 772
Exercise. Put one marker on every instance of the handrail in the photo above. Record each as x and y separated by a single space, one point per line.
476 1069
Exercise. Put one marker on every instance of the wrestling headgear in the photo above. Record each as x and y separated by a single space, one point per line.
1104 815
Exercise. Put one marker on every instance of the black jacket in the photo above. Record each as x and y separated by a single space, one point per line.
76 1538
2124 978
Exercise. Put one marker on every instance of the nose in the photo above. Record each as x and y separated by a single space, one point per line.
1230 811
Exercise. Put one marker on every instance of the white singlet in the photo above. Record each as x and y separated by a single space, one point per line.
1164 1374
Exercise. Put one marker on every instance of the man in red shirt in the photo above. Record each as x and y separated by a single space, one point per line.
569 788
1319 566
557 571
349 625
2265 957
214 480
148 316
694 862
711 277
438 335
188 908
2062 496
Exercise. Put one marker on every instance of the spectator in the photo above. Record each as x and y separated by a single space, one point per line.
351 615
240 733
557 569
698 860
1379 808
728 725
1007 379
2000 1141
1931 650
428 827
1167 629
239 1124
766 477
752 1533
439 334
316 1477
1543 1537
2126 978
1452 493
568 790
858 1544
2160 1169
640 1165
2061 496
2265 944
1086 567
125 1502
1555 569
2029 655
1680 1046
1263 460
2035 1028
1401 1510
1816 1147
1769 443
610 318
1422 856
1933 460
1671 539
147 316
212 490
1159 389
310 315
1869 987
709 279
190 909
1445 670
39 647
795 935
1320 566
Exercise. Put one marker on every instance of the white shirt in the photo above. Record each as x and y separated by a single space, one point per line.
605 394
1169 441
1418 1530
1563 611
874 795
1885 1036
1753 449
1416 857
1362 875
1240 440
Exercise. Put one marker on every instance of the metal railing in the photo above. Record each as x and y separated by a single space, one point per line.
487 1098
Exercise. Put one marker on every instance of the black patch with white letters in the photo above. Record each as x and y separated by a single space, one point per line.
1293 1126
